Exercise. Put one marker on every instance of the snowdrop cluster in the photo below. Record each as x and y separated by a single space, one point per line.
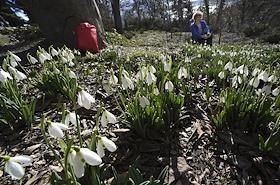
241 73
147 74
11 62
127 83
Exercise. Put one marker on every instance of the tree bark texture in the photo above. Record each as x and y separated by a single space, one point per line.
117 15
58 19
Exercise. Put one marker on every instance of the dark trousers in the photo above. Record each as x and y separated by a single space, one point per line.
202 41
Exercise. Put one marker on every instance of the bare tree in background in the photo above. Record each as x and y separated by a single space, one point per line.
206 4
117 15
219 18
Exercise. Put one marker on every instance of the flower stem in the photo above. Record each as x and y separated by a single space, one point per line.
78 125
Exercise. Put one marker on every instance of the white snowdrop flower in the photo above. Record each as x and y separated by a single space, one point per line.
78 164
263 76
55 70
14 165
141 74
64 60
109 144
20 76
5 76
254 82
228 66
113 80
71 56
169 86
152 69
56 129
275 92
156 91
14 59
266 89
255 71
32 59
17 74
127 83
85 99
272 79
78 159
221 75
70 118
72 74
54 52
144 101
167 66
151 78
187 60
103 143
237 79
234 71
42 57
199 55
107 117
220 62
240 69
71 64
182 73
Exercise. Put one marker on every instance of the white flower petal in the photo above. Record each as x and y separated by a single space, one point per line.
22 159
100 149
20 76
15 57
143 101
55 131
263 76
228 66
113 80
156 91
70 118
14 169
54 52
60 125
85 99
275 91
169 86
110 117
221 75
90 157
104 120
4 76
109 145
72 74
78 166
32 60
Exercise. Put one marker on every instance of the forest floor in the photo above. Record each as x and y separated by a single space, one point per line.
194 155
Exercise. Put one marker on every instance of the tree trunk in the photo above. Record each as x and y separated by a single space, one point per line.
206 3
180 11
58 19
117 15
136 7
243 10
219 19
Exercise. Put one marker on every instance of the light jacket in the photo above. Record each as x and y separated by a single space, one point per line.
195 30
